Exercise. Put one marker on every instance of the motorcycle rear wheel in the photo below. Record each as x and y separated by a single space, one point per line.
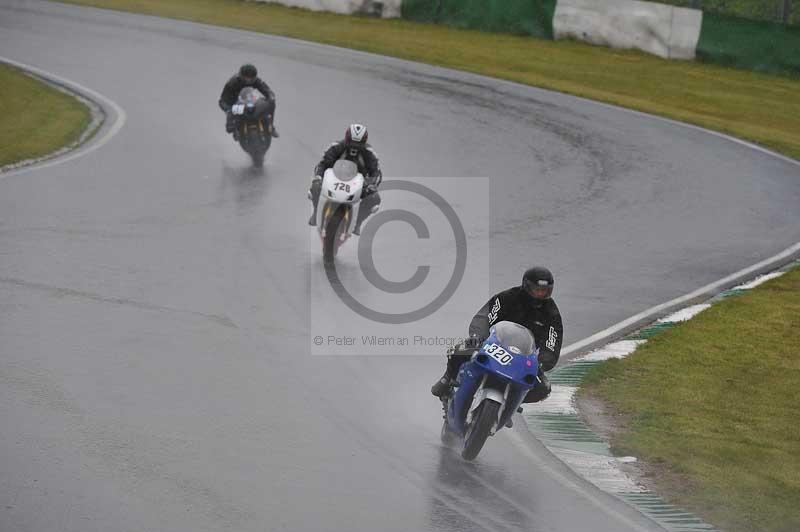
255 144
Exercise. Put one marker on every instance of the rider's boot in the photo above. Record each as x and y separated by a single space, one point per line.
313 195
510 422
541 391
271 111
313 220
442 386
359 221
362 215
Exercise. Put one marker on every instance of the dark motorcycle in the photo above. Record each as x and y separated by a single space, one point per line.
253 124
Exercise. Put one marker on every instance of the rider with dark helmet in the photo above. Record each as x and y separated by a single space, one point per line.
530 304
354 148
246 77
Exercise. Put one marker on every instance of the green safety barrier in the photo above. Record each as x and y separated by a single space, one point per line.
750 44
520 17
731 41
778 11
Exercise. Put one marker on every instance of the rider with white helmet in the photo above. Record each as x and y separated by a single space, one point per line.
354 148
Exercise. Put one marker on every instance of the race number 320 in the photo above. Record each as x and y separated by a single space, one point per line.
498 353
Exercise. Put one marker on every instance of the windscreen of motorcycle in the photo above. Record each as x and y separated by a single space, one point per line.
345 170
515 337
248 95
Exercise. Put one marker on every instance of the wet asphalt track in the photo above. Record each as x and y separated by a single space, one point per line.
154 294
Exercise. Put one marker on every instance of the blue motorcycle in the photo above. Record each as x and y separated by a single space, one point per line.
490 387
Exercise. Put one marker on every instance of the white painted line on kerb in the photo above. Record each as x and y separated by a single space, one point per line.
93 144
685 314
758 280
619 349
603 470
560 401
610 331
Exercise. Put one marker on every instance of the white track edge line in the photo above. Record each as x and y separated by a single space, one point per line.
610 331
93 143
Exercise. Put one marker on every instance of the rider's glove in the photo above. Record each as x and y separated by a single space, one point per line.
369 189
473 342
546 361
469 344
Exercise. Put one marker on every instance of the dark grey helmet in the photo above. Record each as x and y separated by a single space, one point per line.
537 283
248 71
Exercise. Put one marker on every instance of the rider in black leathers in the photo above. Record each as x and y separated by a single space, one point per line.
354 148
247 77
529 305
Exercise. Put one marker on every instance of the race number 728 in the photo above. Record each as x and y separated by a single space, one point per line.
498 353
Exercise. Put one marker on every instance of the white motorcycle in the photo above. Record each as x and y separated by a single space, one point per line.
337 210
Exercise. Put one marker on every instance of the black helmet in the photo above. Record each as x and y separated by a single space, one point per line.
248 71
537 283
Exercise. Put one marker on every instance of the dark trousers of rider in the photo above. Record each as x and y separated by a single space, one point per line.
367 204
538 393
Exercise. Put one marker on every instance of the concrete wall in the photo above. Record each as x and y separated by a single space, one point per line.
666 31
383 8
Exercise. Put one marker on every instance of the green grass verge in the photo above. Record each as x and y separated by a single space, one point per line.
712 406
758 107
35 119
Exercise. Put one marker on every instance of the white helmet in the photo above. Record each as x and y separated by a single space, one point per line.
356 134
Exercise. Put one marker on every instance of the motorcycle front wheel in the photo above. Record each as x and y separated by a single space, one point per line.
334 228
478 431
